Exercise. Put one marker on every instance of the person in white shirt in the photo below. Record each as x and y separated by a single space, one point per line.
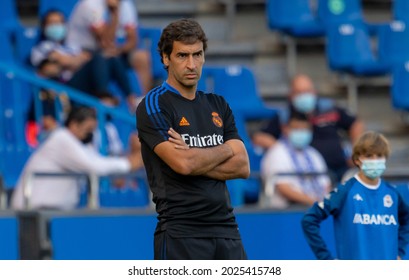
84 70
290 156
65 151
111 26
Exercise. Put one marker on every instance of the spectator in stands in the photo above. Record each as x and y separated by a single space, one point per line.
65 151
82 69
127 45
328 122
370 216
289 157
38 130
96 26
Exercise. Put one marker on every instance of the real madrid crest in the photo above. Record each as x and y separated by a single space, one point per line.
387 201
217 120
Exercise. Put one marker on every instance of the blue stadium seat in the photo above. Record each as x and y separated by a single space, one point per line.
65 6
400 10
26 38
15 97
6 48
9 20
148 39
349 50
393 43
239 87
296 18
400 86
335 12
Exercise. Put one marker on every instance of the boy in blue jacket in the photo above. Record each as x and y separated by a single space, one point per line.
371 220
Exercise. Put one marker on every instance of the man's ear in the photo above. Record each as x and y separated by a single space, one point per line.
166 60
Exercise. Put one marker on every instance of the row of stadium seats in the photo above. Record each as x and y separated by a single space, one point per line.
349 40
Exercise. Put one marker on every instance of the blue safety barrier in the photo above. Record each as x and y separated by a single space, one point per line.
267 235
9 234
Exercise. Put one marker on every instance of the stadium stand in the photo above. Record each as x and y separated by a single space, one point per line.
400 86
393 43
14 103
349 51
65 6
26 38
400 10
296 20
9 19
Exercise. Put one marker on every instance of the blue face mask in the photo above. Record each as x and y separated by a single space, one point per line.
300 138
373 168
55 32
305 102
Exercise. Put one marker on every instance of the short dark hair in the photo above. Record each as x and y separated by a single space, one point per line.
186 30
80 114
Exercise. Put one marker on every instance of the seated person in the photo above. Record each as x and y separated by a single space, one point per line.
127 44
51 47
81 69
95 25
38 129
289 157
64 151
329 123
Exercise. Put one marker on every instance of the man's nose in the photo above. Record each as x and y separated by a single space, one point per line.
191 62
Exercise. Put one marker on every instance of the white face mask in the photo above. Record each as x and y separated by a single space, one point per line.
300 138
373 168
55 32
305 102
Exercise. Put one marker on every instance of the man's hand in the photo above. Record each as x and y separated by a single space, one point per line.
133 102
135 160
134 143
110 50
176 139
